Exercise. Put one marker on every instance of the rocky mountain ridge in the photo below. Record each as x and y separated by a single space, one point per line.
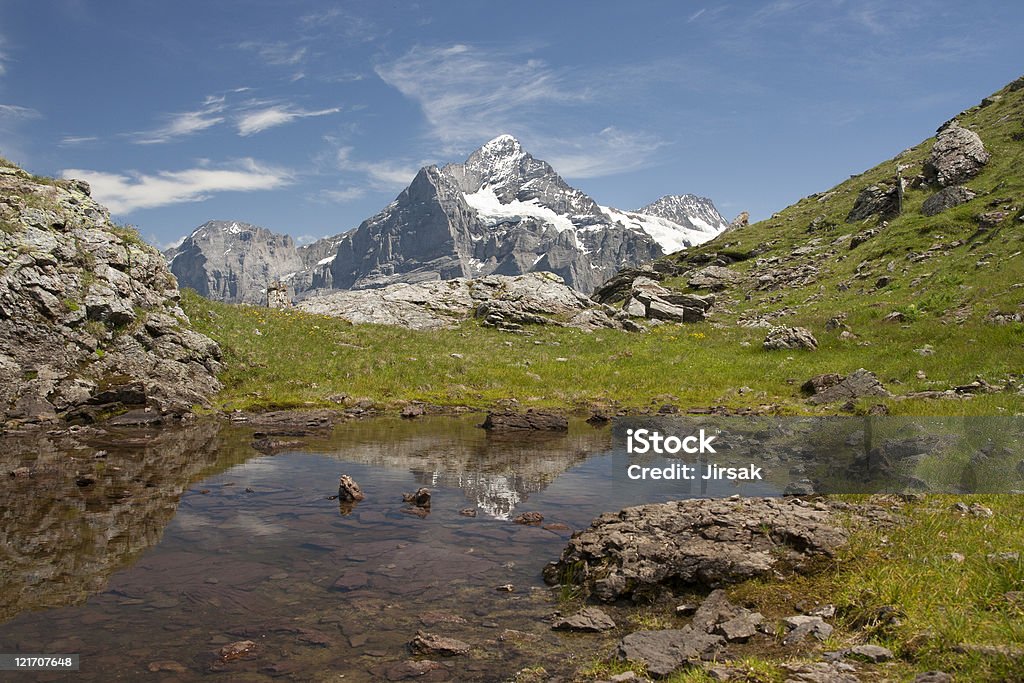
500 212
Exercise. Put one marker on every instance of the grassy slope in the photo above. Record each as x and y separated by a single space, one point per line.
301 360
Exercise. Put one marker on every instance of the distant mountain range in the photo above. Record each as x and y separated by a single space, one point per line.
501 212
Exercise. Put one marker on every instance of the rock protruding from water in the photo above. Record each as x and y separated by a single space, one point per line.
504 302
639 550
780 338
90 322
957 155
348 490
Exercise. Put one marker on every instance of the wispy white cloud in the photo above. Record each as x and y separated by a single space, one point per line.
696 15
467 94
608 152
385 174
13 112
277 53
258 120
123 193
342 195
73 140
185 123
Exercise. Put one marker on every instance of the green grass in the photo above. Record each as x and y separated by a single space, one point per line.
299 360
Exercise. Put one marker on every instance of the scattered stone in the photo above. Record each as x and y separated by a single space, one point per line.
957 155
430 644
933 677
741 627
803 625
780 338
468 512
505 588
1005 556
529 518
167 665
686 609
715 278
876 654
529 421
588 619
979 510
350 581
699 542
348 490
664 652
420 498
820 672
947 198
956 557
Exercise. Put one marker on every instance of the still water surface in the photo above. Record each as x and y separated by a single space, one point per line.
146 553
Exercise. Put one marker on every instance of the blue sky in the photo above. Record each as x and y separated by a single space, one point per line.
307 117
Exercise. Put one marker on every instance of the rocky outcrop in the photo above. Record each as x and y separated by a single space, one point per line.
664 652
957 155
833 388
499 301
947 198
780 338
705 543
89 316
883 200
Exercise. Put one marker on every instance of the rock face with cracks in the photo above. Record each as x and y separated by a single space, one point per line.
636 552
90 322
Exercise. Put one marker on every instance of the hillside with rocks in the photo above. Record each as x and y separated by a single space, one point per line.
90 322
911 252
501 212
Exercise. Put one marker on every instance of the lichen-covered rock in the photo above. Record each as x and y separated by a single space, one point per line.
87 312
882 200
957 155
790 338
705 543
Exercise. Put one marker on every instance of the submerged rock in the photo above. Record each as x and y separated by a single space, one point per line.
420 497
440 646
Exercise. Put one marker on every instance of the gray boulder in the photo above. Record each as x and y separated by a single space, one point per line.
780 338
664 652
947 198
634 552
859 384
957 155
588 619
882 200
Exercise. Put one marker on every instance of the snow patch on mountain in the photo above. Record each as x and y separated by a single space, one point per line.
492 212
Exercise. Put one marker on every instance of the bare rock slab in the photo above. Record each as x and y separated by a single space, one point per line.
437 646
665 652
588 619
